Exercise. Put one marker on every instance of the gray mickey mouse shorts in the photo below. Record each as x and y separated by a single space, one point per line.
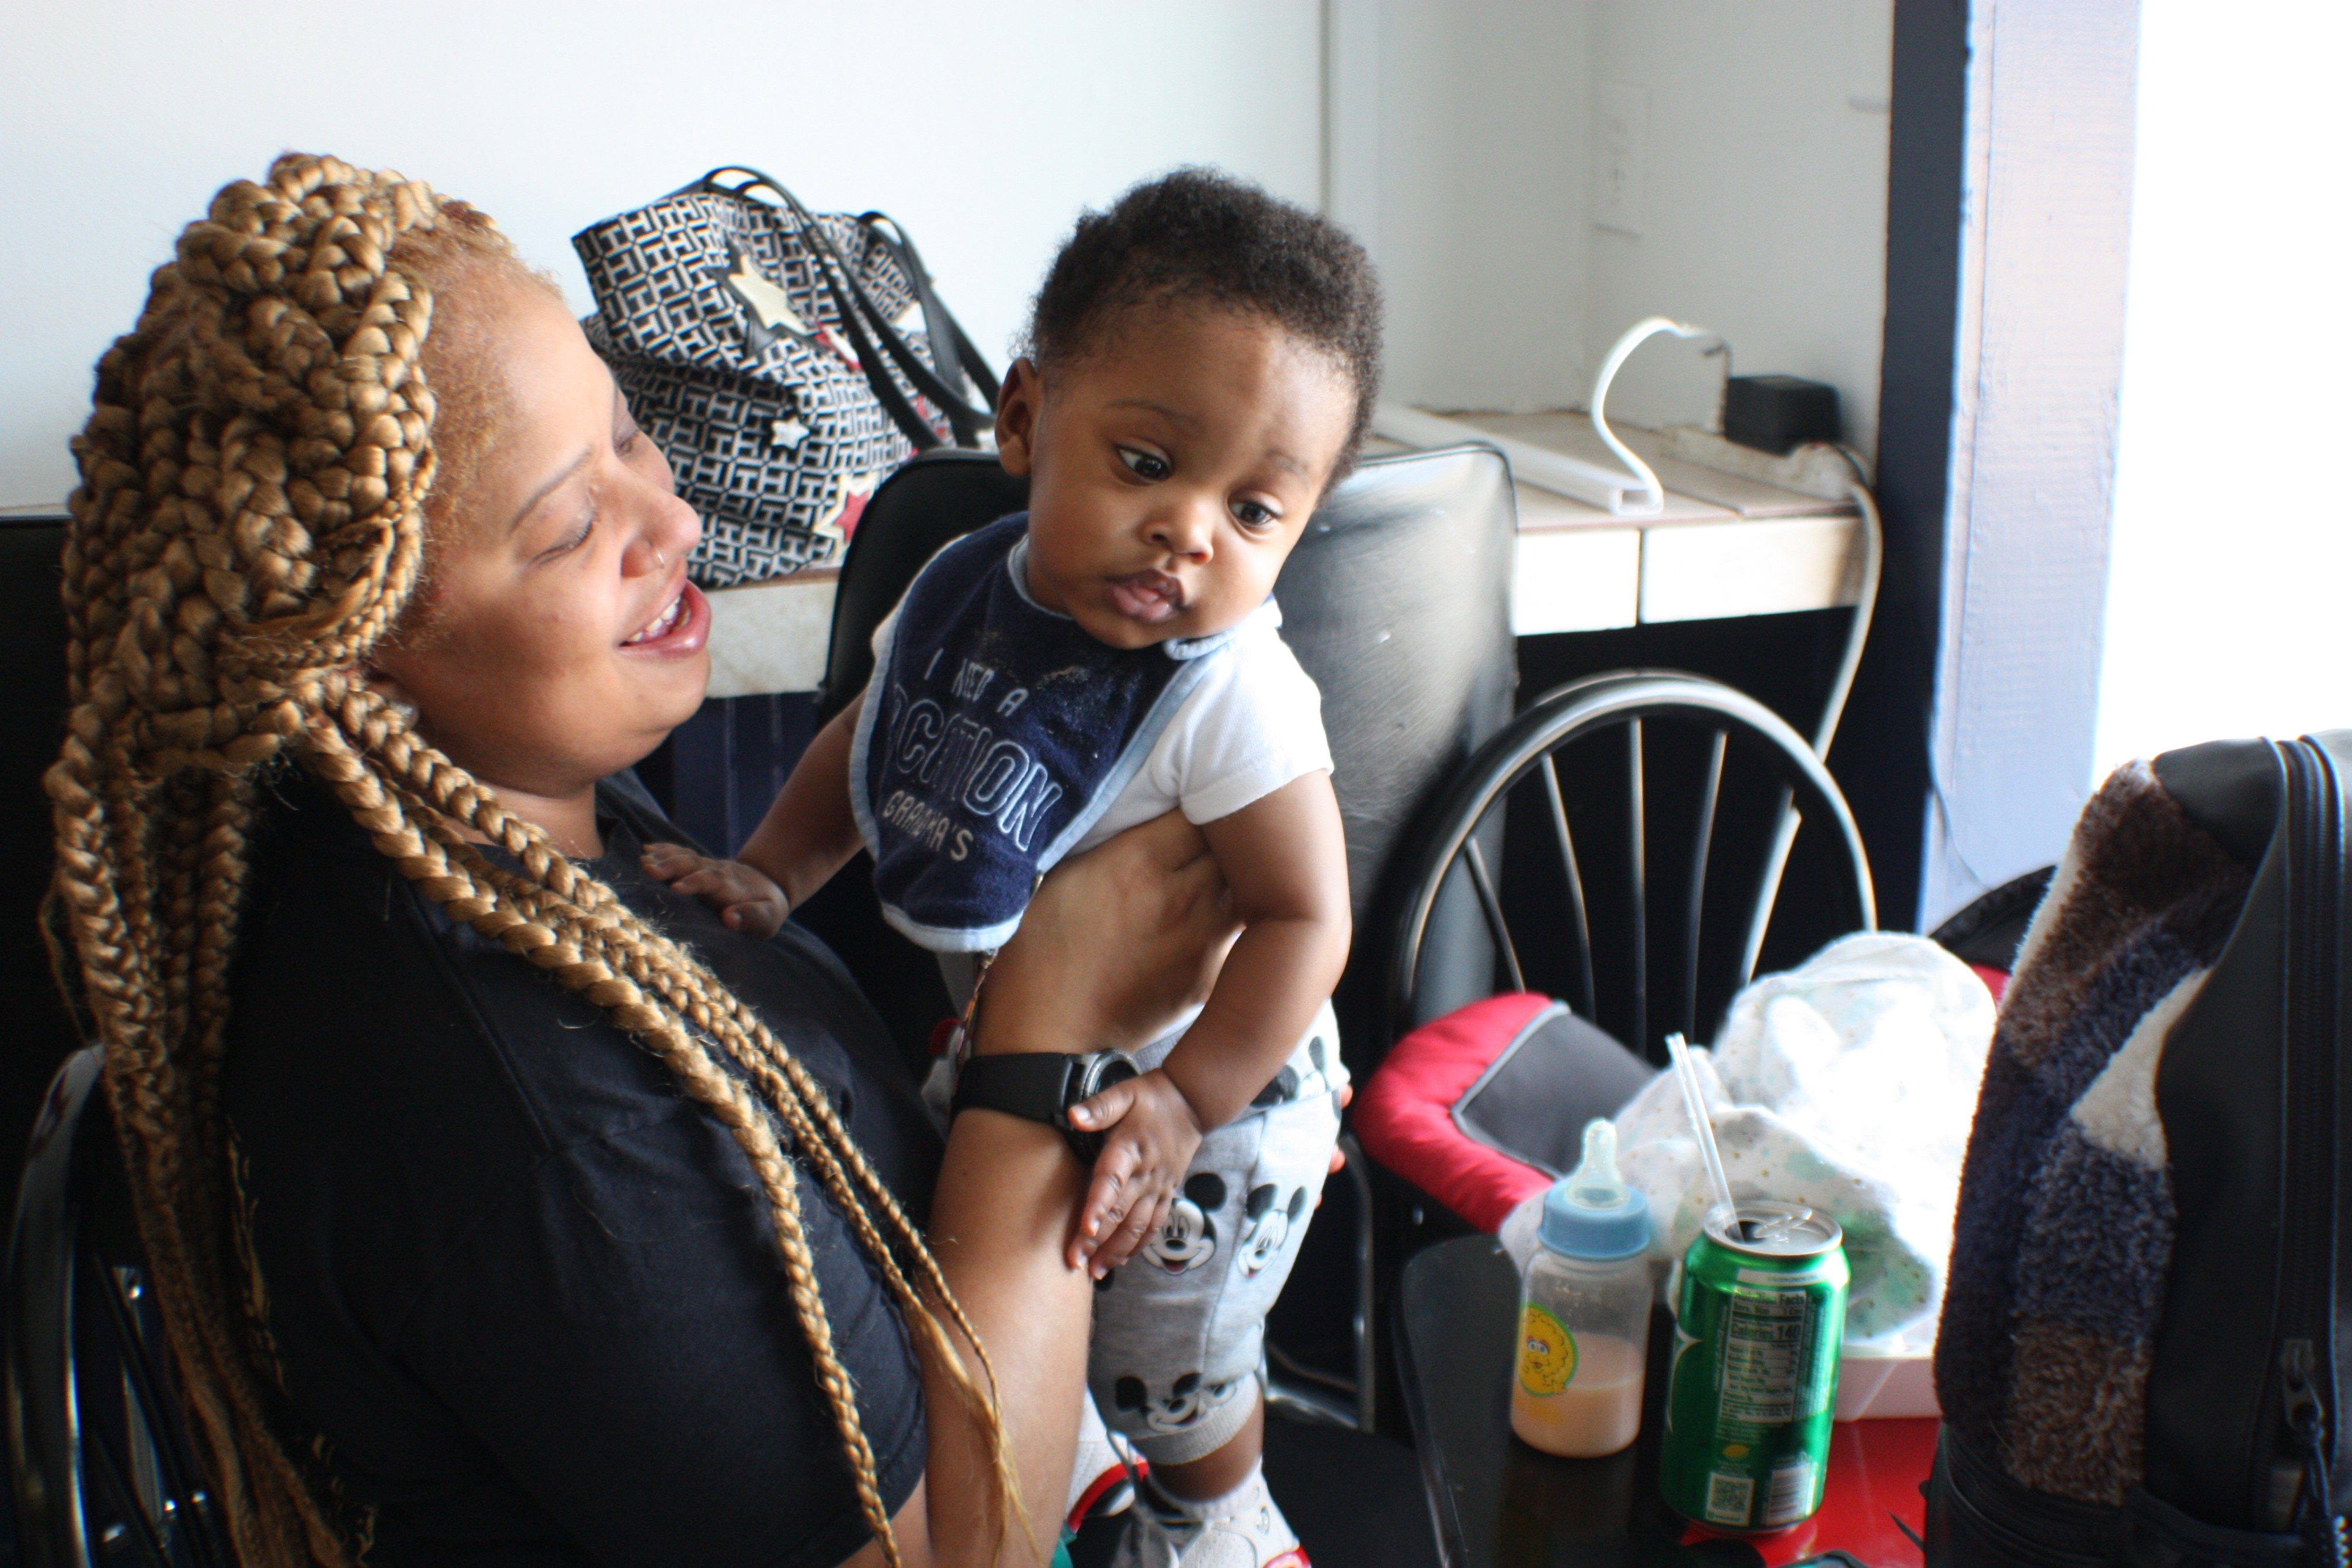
1179 1328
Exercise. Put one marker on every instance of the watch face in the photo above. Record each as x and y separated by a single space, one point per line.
1099 1070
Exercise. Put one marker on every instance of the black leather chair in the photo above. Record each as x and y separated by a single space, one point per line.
32 713
1398 601
933 500
936 498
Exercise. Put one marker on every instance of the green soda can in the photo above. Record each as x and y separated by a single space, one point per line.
1753 1384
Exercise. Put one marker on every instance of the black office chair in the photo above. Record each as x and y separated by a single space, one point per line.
1396 602
931 501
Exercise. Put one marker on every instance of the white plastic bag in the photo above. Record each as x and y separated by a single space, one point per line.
1847 1084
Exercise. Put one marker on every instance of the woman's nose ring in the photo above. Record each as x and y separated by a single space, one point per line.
660 561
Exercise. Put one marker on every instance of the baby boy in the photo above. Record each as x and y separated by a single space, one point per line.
1202 365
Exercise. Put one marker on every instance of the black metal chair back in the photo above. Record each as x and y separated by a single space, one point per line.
97 1452
97 1467
1664 792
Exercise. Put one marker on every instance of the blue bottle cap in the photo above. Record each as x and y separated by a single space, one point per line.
1591 1212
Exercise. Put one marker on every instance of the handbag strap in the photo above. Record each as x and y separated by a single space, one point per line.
957 360
865 324
853 310
942 380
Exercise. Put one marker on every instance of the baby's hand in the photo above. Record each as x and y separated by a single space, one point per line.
1153 1134
745 900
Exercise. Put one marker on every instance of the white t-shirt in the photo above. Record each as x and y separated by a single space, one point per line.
1254 724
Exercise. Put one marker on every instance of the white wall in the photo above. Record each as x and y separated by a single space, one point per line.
1458 139
2231 573
984 128
1763 214
1463 138
1460 145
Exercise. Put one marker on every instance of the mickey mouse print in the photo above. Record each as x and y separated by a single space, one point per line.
1189 1240
1179 1332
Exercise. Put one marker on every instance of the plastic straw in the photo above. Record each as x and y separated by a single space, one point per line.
1695 1101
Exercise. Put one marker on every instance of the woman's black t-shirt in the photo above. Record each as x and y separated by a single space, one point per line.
526 1290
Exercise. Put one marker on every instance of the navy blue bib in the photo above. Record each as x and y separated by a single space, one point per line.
994 734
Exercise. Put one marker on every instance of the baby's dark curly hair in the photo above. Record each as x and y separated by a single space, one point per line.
1202 235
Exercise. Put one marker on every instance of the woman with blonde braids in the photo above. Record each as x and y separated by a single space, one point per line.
505 1206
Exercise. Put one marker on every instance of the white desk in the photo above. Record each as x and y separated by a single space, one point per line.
1723 546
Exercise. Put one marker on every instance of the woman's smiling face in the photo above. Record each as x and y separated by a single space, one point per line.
556 639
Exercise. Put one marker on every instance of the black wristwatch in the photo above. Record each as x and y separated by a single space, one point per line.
1042 1086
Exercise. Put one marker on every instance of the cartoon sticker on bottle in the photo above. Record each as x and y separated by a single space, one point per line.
1547 1353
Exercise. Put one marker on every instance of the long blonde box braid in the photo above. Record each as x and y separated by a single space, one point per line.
248 525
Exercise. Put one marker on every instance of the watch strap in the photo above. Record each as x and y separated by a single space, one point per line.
1034 1086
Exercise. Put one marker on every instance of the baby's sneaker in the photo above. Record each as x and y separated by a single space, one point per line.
1240 1530
1104 1471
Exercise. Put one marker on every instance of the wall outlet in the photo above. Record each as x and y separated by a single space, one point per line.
1621 144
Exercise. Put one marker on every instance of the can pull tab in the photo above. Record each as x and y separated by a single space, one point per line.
1778 1225
2307 1417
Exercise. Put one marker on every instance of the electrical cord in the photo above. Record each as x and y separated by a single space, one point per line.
1640 333
1865 606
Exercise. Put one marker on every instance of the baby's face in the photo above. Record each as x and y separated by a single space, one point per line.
1173 469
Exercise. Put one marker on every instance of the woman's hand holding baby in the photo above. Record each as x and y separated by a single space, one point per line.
1152 1135
1115 947
746 899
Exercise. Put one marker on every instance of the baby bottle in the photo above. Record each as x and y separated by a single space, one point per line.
1584 1310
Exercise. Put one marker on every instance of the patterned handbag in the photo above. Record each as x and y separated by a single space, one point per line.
784 361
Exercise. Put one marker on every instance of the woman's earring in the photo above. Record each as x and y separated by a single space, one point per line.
389 689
